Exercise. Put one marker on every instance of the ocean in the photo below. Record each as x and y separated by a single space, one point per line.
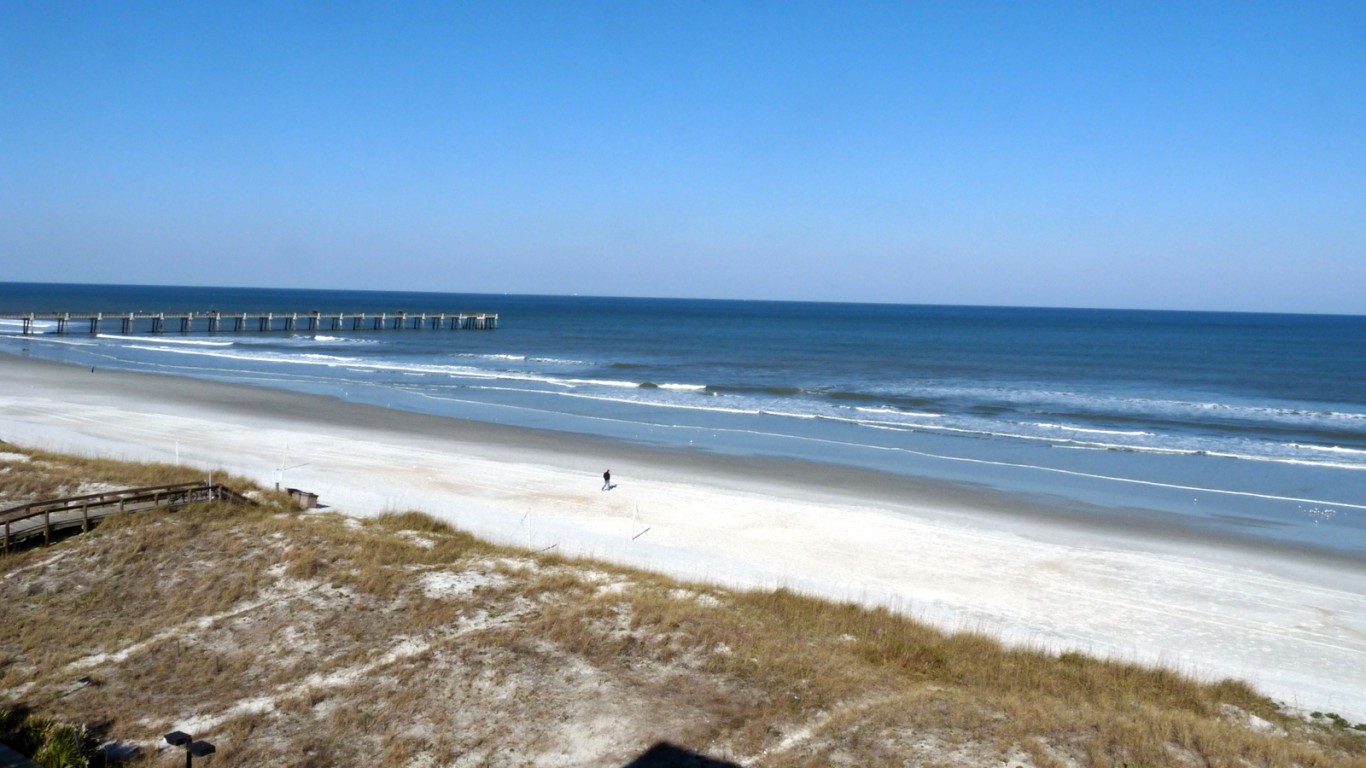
1247 426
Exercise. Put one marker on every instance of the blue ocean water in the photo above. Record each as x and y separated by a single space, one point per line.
1245 424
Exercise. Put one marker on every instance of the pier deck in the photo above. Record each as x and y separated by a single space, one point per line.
126 323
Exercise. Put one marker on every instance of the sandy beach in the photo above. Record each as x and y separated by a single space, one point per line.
1292 623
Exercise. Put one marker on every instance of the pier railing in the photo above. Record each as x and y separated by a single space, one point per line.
126 323
43 518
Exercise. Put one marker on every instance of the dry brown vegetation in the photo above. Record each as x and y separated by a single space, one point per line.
317 640
45 475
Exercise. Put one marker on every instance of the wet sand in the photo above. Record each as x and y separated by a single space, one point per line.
1136 587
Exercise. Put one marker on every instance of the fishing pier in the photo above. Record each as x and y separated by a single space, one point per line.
127 323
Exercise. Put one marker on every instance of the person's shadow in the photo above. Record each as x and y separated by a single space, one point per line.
666 755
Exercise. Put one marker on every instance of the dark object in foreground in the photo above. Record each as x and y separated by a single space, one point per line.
193 748
666 755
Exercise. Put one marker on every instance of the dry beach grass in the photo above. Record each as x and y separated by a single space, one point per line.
316 639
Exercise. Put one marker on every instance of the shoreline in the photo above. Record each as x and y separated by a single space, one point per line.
961 558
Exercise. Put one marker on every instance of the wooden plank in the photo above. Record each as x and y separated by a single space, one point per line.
23 522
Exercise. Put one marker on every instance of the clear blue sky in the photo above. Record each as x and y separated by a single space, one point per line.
1141 154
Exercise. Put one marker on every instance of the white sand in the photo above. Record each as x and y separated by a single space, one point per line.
1294 627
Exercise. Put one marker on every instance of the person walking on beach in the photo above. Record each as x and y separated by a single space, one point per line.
607 480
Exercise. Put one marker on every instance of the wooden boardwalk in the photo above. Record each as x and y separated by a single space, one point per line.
44 518
126 323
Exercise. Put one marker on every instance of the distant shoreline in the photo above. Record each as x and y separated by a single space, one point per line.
959 557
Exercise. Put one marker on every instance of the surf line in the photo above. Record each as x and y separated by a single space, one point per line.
988 462
1074 473
1013 465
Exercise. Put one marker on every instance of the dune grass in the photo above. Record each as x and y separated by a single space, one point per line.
45 475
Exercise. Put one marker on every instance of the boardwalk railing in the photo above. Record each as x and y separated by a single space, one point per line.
64 323
43 518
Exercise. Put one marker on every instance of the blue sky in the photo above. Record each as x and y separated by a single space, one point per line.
1166 155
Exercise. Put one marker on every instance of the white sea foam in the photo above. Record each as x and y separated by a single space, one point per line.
523 358
62 340
362 365
17 326
1066 402
38 326
337 340
1167 450
890 410
662 404
789 414
303 341
1090 431
164 340
1330 449
602 383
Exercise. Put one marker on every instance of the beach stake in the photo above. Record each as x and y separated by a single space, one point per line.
634 522
279 473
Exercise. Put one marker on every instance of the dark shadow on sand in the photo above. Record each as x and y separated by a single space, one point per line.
666 755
